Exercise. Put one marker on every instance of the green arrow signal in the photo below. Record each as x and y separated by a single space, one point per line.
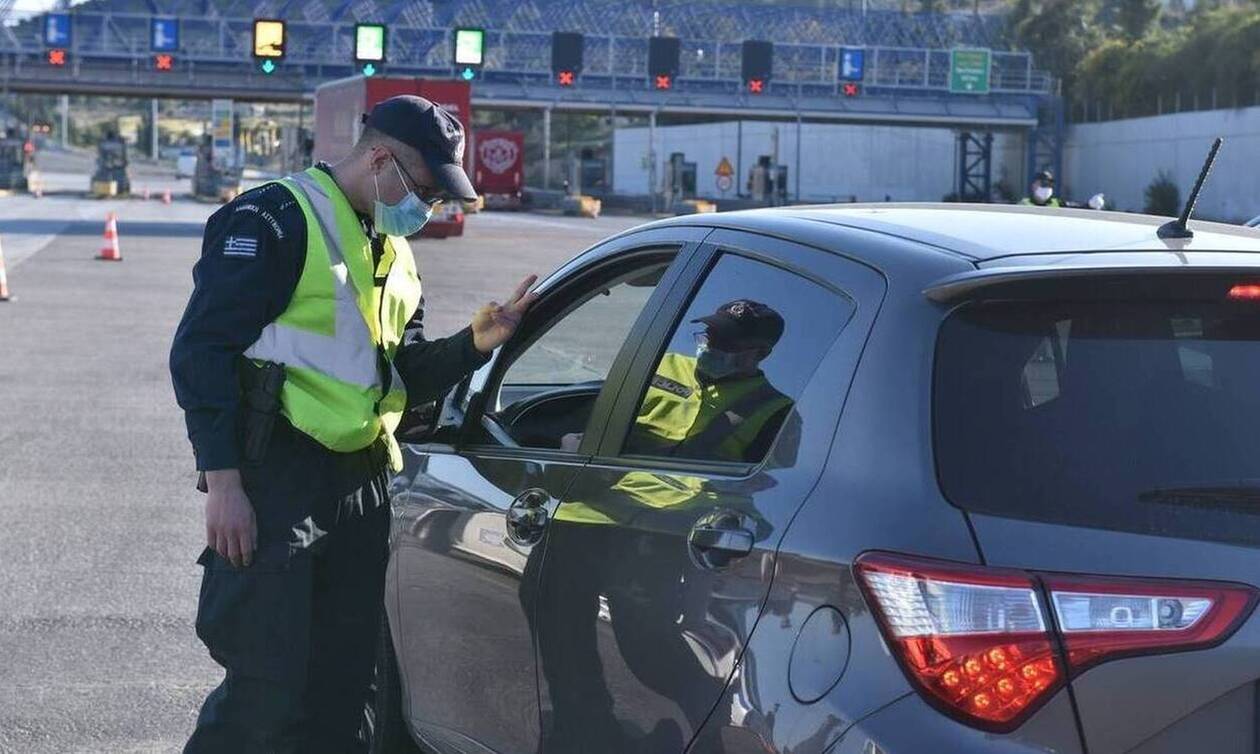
268 66
369 69
468 74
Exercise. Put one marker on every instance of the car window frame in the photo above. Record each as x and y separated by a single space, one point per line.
787 255
557 299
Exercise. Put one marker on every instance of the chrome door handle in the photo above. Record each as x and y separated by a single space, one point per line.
735 542
527 517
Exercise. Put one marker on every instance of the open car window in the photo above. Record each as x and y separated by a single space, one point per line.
549 389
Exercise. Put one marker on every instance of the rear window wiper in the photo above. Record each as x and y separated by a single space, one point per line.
1225 496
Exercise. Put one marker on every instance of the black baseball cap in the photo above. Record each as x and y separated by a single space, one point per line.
433 132
746 322
1045 176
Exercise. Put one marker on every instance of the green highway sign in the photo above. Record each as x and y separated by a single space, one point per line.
969 71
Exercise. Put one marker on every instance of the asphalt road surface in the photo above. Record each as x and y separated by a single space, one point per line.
99 521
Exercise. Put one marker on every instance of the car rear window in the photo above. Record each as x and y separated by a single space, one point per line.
1134 415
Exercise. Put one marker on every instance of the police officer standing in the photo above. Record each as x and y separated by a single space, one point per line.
1041 191
307 291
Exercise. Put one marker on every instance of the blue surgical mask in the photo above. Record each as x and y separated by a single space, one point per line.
714 365
406 217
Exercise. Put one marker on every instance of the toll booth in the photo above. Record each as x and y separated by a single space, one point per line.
16 161
681 177
111 176
211 181
767 182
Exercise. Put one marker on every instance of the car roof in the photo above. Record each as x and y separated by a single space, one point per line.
982 232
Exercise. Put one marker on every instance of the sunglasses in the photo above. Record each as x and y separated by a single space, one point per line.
427 194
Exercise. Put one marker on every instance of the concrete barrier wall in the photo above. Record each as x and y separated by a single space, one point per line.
1122 157
837 161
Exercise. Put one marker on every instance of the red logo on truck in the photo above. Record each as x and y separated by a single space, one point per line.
498 155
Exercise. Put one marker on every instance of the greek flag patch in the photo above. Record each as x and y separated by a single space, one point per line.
240 246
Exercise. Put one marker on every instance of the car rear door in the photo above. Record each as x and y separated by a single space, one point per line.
661 552
1103 422
471 509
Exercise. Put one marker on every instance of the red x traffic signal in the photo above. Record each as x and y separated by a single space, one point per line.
564 78
850 89
164 62
756 86
56 57
664 82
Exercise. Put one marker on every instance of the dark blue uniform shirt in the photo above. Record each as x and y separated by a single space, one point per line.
251 258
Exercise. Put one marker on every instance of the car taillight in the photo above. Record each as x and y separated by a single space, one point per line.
1105 618
973 640
979 642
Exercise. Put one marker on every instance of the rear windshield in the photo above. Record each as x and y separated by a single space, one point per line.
1140 416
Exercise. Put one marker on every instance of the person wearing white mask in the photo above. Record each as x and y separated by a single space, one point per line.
1041 192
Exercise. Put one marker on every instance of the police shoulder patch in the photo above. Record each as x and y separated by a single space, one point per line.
240 246
671 386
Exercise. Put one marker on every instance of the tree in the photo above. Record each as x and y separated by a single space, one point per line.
1134 17
1162 196
1058 32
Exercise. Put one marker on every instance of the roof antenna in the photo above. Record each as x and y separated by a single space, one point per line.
1177 228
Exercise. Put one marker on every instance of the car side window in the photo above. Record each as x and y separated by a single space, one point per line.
550 387
736 362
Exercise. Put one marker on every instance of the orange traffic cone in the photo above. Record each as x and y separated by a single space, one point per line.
110 251
4 279
166 196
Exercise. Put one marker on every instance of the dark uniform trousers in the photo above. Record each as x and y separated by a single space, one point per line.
296 630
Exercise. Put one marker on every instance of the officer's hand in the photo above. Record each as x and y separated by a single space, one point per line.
231 529
494 323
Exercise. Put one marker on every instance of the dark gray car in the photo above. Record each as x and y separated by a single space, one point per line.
898 478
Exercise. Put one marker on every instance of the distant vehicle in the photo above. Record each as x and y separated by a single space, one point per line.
499 167
966 478
186 163
1253 222
340 105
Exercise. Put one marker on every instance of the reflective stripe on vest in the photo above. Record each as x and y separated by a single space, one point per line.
329 337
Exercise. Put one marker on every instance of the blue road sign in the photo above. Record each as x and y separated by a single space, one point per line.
164 34
57 30
852 64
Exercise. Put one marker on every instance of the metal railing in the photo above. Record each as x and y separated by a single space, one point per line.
610 60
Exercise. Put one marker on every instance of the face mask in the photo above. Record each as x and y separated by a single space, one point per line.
714 365
406 217
1042 194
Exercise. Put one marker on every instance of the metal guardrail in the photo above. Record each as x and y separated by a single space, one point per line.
612 61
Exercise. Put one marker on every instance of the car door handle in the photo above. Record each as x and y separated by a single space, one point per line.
527 517
722 540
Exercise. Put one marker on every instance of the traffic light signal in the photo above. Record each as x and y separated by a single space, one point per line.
566 56
850 89
164 61
470 52
57 57
756 64
369 47
269 39
663 53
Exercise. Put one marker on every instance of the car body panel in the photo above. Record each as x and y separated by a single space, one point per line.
461 591
668 631
910 726
878 491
